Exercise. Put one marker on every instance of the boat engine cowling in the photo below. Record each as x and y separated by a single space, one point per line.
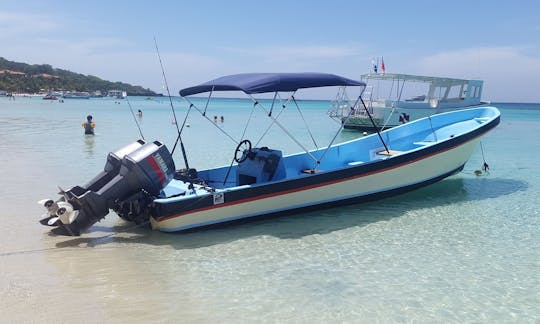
138 167
112 167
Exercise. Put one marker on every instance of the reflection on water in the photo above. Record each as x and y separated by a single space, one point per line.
89 144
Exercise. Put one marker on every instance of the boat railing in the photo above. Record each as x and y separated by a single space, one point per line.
341 105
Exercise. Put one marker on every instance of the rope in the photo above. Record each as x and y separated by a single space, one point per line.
485 166
4 254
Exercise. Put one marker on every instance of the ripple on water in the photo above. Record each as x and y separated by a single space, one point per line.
462 250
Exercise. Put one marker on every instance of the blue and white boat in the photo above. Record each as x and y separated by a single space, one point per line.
141 183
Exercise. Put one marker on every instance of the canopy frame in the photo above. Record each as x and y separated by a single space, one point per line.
259 83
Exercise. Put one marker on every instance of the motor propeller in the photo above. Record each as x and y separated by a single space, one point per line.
65 214
51 206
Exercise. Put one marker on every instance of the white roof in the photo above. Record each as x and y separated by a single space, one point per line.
412 78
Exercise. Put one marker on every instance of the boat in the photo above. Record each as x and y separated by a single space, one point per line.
141 183
118 94
394 99
76 95
50 96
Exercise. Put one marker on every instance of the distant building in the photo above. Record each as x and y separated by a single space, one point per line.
11 72
46 76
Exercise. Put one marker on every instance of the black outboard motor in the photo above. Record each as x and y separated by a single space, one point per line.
138 167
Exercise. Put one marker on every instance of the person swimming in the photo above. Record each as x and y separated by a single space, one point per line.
89 125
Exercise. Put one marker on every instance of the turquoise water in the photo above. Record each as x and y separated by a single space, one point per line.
466 249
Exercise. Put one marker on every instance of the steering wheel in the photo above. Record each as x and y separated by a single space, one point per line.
243 146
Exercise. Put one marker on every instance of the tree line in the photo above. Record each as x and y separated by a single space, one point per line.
33 78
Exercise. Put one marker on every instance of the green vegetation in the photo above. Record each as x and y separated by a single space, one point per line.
33 78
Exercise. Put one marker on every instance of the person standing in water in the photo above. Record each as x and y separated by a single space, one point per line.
89 125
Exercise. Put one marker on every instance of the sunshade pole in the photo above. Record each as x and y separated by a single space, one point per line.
256 103
241 139
339 130
192 105
305 122
283 106
374 125
273 102
208 101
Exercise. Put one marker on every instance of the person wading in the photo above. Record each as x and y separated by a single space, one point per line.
89 125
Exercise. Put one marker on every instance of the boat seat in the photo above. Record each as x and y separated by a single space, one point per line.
388 153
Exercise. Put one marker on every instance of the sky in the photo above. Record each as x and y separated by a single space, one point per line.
497 42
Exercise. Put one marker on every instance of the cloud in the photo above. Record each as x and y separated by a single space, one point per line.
14 25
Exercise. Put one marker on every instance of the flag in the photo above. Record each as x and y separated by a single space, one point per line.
373 65
382 64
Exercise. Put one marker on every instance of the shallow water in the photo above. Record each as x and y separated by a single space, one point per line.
466 249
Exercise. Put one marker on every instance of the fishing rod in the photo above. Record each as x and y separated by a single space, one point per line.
179 138
135 118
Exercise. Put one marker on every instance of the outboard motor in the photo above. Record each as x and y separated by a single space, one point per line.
137 168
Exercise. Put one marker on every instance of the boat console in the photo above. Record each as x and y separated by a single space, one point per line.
260 165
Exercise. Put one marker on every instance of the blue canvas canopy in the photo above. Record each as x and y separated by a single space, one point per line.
270 82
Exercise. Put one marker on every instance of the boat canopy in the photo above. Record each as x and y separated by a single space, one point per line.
251 83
